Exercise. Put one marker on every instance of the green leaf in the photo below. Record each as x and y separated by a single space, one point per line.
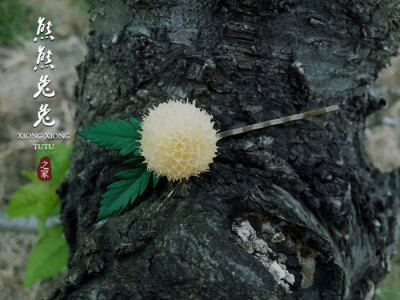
41 223
124 192
30 175
59 159
156 179
136 162
120 135
135 122
129 174
56 210
48 257
33 199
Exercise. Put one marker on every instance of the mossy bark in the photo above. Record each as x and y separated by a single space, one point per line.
290 212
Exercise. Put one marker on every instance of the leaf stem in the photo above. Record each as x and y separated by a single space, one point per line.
41 222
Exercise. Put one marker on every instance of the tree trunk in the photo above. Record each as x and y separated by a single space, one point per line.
291 212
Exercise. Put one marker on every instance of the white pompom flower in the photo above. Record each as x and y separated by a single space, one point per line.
178 140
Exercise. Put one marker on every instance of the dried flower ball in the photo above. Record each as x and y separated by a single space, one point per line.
178 140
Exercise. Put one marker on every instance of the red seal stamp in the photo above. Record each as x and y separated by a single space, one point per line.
44 169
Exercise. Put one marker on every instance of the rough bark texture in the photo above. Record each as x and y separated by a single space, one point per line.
290 212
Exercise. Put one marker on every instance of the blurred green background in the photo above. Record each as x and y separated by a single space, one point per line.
18 111
18 16
14 22
389 288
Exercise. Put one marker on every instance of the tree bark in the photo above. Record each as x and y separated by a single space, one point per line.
290 212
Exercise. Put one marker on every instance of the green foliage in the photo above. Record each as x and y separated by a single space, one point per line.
33 199
14 22
121 193
156 179
48 257
123 136
84 5
389 288
136 162
30 175
39 199
120 135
